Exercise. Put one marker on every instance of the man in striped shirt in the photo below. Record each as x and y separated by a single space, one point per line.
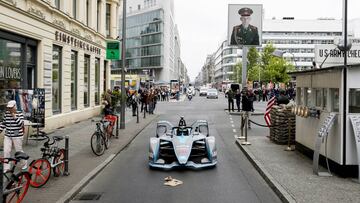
12 123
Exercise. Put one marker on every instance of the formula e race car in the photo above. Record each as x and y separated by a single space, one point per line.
182 146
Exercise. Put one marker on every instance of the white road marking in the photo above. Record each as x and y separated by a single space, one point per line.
234 130
235 136
231 121
233 126
230 118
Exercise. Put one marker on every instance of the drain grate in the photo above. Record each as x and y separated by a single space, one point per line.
88 196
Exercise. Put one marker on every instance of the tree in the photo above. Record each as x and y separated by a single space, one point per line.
267 55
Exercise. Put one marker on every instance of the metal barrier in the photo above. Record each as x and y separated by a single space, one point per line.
117 127
244 122
66 172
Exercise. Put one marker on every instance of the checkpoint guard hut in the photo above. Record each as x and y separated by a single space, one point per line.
321 92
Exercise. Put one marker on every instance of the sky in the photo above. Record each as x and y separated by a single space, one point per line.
203 23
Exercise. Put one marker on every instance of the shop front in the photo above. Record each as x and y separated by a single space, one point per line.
44 49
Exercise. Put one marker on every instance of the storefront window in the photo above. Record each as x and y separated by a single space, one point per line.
10 64
334 92
74 60
86 80
56 78
354 101
97 81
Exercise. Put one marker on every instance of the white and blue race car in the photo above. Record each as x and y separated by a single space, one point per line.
182 146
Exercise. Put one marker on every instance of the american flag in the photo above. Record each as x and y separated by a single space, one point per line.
270 103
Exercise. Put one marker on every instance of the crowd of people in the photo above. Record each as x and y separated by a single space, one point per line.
145 98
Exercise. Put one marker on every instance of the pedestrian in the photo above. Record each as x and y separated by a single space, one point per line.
134 103
282 98
246 104
230 96
13 124
238 99
260 94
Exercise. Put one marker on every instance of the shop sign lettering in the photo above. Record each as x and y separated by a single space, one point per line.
7 72
73 41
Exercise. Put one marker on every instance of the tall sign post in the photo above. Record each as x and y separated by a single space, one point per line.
123 58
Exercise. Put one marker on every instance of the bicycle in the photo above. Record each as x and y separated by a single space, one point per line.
16 183
52 158
100 141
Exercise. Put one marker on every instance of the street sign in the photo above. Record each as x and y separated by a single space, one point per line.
335 56
113 51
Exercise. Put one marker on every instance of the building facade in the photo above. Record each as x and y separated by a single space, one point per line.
59 45
152 40
225 58
297 39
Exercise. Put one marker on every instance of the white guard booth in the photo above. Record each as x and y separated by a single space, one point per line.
322 89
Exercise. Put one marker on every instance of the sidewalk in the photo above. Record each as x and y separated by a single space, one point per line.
83 164
290 174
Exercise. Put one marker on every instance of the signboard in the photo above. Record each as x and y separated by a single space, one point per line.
245 24
113 50
335 56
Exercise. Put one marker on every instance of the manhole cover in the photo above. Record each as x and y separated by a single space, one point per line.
88 196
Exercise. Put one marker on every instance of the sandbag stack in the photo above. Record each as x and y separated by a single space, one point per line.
280 116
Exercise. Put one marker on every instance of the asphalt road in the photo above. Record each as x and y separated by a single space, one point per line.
128 178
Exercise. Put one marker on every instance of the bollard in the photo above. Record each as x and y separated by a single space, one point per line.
241 127
246 126
1 176
66 172
288 148
137 112
144 110
117 127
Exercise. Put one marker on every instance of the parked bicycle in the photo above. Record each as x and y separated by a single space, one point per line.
16 182
100 139
52 158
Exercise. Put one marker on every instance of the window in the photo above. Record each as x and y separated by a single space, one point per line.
74 7
324 104
97 81
354 101
98 15
139 7
87 13
104 85
334 95
318 97
86 80
57 4
56 78
73 79
107 20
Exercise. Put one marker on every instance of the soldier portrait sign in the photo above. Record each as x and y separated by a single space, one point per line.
245 24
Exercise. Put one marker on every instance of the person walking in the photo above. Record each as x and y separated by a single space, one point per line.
238 99
13 124
230 96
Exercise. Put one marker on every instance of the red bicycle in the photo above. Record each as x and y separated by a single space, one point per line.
52 158
16 183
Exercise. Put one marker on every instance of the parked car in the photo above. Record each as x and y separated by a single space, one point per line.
212 93
203 91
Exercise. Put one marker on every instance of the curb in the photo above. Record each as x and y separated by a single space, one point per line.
78 187
270 180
